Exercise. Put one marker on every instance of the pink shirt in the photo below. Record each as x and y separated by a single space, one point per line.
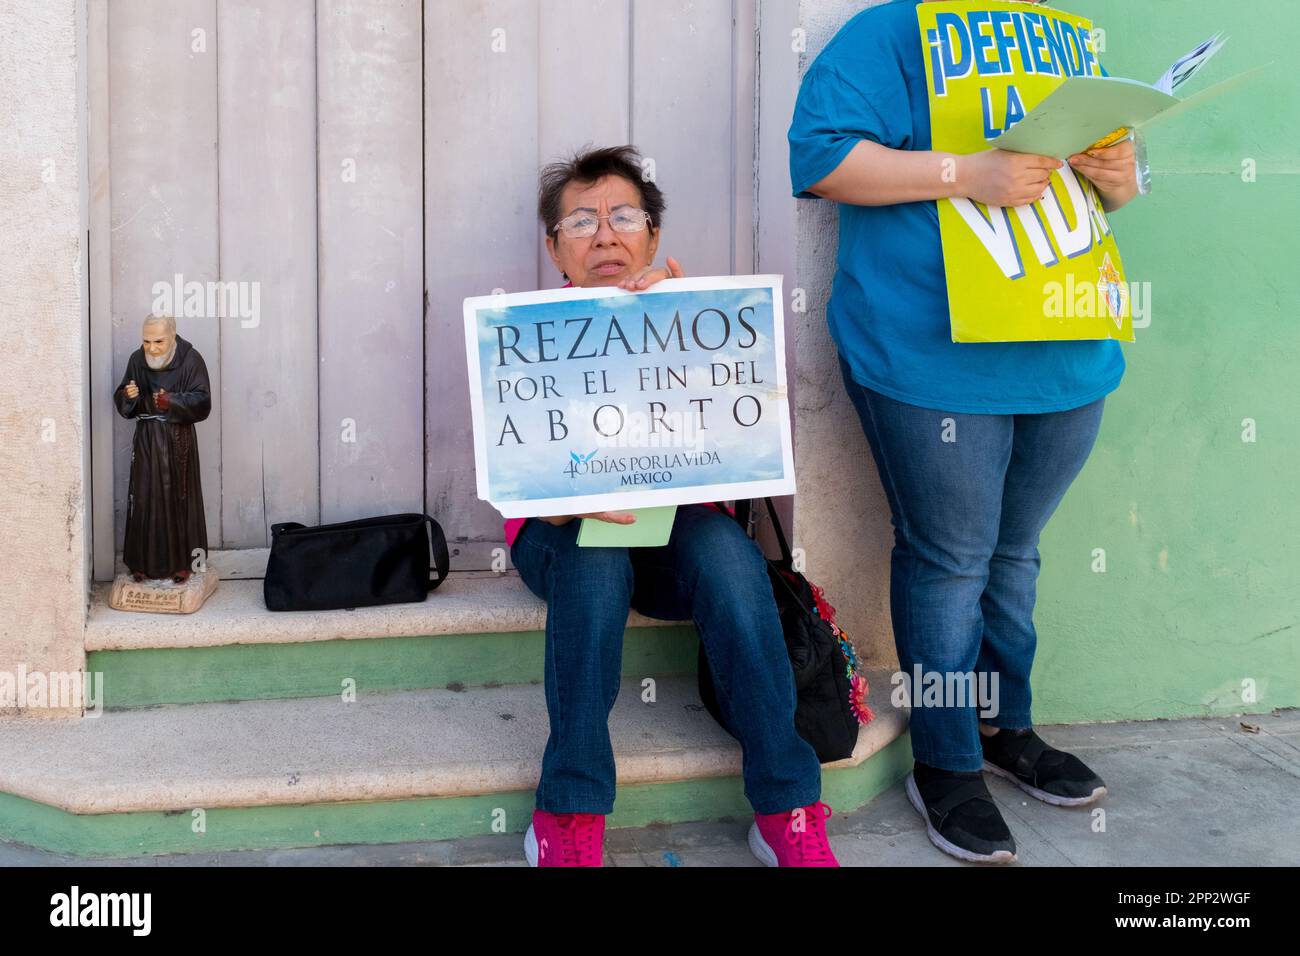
512 529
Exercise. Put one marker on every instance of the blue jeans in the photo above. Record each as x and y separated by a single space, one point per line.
708 572
969 496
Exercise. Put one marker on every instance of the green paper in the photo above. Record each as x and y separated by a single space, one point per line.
652 528
1083 110
1080 112
1209 93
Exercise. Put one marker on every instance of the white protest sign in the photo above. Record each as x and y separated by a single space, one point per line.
600 399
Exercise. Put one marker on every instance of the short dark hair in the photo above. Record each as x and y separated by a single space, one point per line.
587 166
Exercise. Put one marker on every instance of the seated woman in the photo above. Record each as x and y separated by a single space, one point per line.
603 225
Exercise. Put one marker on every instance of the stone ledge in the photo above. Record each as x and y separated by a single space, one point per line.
468 602
391 746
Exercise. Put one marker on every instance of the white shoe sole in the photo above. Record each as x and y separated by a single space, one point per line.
530 846
1054 799
914 796
758 846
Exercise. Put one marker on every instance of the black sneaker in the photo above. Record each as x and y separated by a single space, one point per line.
960 816
1051 775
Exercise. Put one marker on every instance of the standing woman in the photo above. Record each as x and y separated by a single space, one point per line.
975 444
603 221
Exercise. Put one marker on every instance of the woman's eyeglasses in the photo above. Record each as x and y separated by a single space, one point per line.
582 225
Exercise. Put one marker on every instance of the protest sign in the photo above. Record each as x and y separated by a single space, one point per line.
599 399
1050 270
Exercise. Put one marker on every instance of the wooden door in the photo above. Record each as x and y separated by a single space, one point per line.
356 168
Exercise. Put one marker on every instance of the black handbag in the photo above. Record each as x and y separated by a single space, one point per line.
831 695
361 563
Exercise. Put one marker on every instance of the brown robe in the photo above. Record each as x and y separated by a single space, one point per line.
164 515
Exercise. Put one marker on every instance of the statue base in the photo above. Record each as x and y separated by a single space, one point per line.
162 595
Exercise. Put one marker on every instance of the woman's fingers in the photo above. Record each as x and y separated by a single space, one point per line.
650 275
1109 166
1088 162
1042 162
1121 151
1103 173
630 283
645 278
613 517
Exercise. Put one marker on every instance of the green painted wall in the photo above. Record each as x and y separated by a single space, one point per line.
1201 530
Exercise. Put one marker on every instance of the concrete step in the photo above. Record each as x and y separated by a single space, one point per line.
391 767
469 602
477 629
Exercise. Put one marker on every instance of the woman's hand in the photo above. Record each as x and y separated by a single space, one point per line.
613 517
643 280
997 177
1112 170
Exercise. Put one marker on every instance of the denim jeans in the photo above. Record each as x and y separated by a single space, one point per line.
708 572
969 496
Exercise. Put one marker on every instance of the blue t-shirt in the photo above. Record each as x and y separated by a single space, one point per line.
888 311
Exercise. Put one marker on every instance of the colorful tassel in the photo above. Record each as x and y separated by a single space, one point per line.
858 699
858 688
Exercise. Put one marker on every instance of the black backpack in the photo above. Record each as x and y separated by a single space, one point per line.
831 694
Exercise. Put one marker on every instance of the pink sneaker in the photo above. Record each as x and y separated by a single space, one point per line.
565 839
794 838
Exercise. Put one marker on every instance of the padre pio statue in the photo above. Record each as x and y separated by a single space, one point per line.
165 390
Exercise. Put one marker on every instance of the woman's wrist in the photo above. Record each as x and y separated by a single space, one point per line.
1117 198
955 171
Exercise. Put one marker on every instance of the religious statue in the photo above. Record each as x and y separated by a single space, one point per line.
165 391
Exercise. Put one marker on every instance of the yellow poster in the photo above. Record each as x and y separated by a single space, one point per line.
1046 271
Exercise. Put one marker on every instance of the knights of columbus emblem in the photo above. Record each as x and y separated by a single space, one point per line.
1111 287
